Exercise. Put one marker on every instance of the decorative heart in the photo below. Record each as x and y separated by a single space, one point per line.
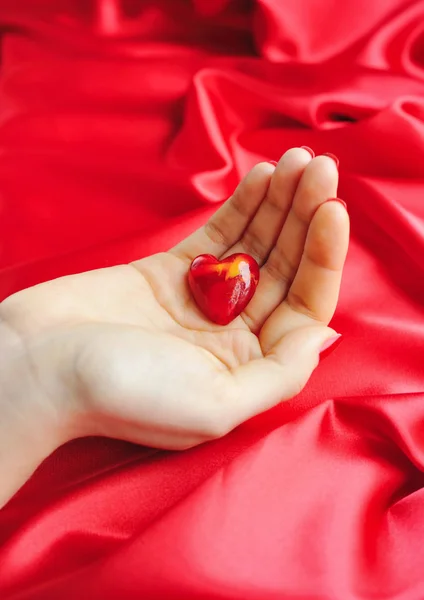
223 288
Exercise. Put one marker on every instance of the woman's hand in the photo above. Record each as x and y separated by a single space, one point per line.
124 352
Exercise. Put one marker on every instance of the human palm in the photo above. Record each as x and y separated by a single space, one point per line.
138 359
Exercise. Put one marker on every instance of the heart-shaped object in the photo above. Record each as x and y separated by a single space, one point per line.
223 288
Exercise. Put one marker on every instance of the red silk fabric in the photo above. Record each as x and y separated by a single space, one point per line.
123 125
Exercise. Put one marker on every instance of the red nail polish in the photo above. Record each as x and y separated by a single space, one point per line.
337 200
330 345
273 162
311 152
333 156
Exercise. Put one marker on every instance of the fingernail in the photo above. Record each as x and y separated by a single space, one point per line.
337 200
330 345
273 162
333 156
311 152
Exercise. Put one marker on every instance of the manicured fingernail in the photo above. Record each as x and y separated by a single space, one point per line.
337 200
311 152
273 162
333 156
330 345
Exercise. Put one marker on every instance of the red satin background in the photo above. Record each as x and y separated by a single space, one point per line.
123 125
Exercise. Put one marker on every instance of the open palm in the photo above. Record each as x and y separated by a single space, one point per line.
138 359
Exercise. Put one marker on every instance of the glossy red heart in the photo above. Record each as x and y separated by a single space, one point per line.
223 288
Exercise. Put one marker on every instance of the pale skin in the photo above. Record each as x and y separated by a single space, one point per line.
124 352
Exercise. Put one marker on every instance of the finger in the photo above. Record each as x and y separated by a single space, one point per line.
260 236
280 375
318 183
313 295
227 225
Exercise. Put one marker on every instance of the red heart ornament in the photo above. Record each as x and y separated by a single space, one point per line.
223 288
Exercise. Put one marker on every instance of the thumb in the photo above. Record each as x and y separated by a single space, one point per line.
284 370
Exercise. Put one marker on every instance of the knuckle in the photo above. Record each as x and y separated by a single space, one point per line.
307 189
279 267
300 305
302 212
215 233
237 200
254 245
276 273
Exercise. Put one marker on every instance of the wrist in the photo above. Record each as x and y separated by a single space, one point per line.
33 422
